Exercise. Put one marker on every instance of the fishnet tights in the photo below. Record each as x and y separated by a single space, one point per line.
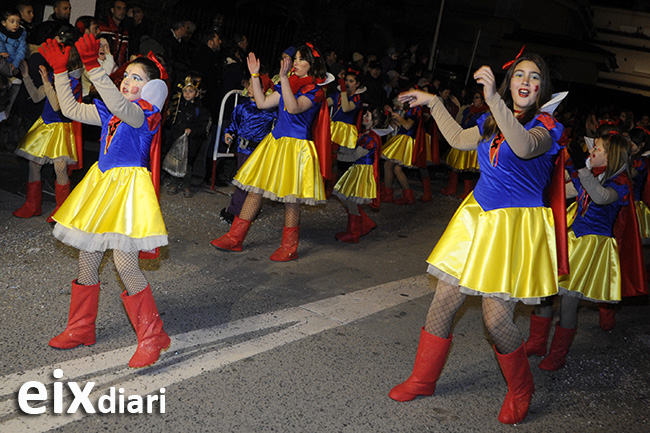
60 168
253 203
352 207
497 316
126 263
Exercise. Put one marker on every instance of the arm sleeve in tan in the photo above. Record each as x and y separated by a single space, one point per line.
599 194
51 95
525 144
37 95
456 136
121 107
85 113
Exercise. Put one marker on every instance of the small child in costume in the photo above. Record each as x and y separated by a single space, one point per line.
249 125
187 116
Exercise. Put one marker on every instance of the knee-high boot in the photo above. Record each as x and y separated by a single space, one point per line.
516 370
32 206
453 183
81 318
560 345
538 338
61 192
289 247
386 194
232 241
606 316
354 230
406 198
152 339
366 223
426 187
429 360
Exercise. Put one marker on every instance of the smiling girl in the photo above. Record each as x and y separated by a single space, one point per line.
500 244
115 206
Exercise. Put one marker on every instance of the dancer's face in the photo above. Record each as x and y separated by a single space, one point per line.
134 80
598 154
525 84
301 67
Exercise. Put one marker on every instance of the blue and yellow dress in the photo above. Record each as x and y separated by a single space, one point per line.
51 137
399 148
640 165
593 251
501 240
344 125
359 183
115 206
285 167
465 160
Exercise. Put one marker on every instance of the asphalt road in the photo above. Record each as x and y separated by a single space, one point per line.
312 345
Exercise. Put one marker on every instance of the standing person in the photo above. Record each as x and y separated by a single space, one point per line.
358 185
500 244
602 191
285 165
176 54
346 105
115 205
116 32
26 18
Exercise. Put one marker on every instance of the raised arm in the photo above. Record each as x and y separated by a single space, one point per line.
599 194
48 89
37 94
292 104
261 100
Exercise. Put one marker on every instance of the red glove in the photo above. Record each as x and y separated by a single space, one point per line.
58 59
88 48
342 85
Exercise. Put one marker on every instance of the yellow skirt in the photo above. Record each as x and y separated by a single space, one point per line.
462 160
44 143
507 253
357 184
117 210
285 170
344 134
399 150
643 216
595 269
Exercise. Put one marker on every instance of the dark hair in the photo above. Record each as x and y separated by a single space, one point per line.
206 36
640 137
68 35
178 24
57 3
149 67
74 61
543 96
379 117
9 13
83 23
316 63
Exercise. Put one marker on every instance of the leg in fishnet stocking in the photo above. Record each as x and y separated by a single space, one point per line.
128 266
498 318
291 214
34 172
251 206
61 170
446 303
569 312
89 267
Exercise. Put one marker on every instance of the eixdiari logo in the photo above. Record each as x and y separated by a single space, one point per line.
33 397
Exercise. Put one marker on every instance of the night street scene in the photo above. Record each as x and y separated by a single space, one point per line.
327 216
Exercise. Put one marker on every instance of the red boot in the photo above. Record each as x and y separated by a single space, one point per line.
556 357
366 223
32 206
468 187
289 248
453 183
429 360
152 339
354 230
406 198
347 230
516 371
81 318
426 187
538 338
606 316
232 241
386 194
61 192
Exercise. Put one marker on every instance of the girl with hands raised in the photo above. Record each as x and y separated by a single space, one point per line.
115 206
500 244
285 166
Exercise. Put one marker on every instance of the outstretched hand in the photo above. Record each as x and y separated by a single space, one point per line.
51 51
88 48
285 66
485 76
416 97
253 64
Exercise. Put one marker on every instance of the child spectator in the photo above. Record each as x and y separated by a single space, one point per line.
13 43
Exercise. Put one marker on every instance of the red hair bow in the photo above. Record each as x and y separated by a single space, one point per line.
163 73
313 50
506 65
353 71
607 122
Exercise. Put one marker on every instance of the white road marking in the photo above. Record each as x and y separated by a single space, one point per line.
109 369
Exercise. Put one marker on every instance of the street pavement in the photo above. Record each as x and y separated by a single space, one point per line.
312 345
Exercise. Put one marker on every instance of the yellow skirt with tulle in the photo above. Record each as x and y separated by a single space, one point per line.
285 170
462 160
399 150
344 134
507 253
45 142
117 209
357 184
643 216
595 269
